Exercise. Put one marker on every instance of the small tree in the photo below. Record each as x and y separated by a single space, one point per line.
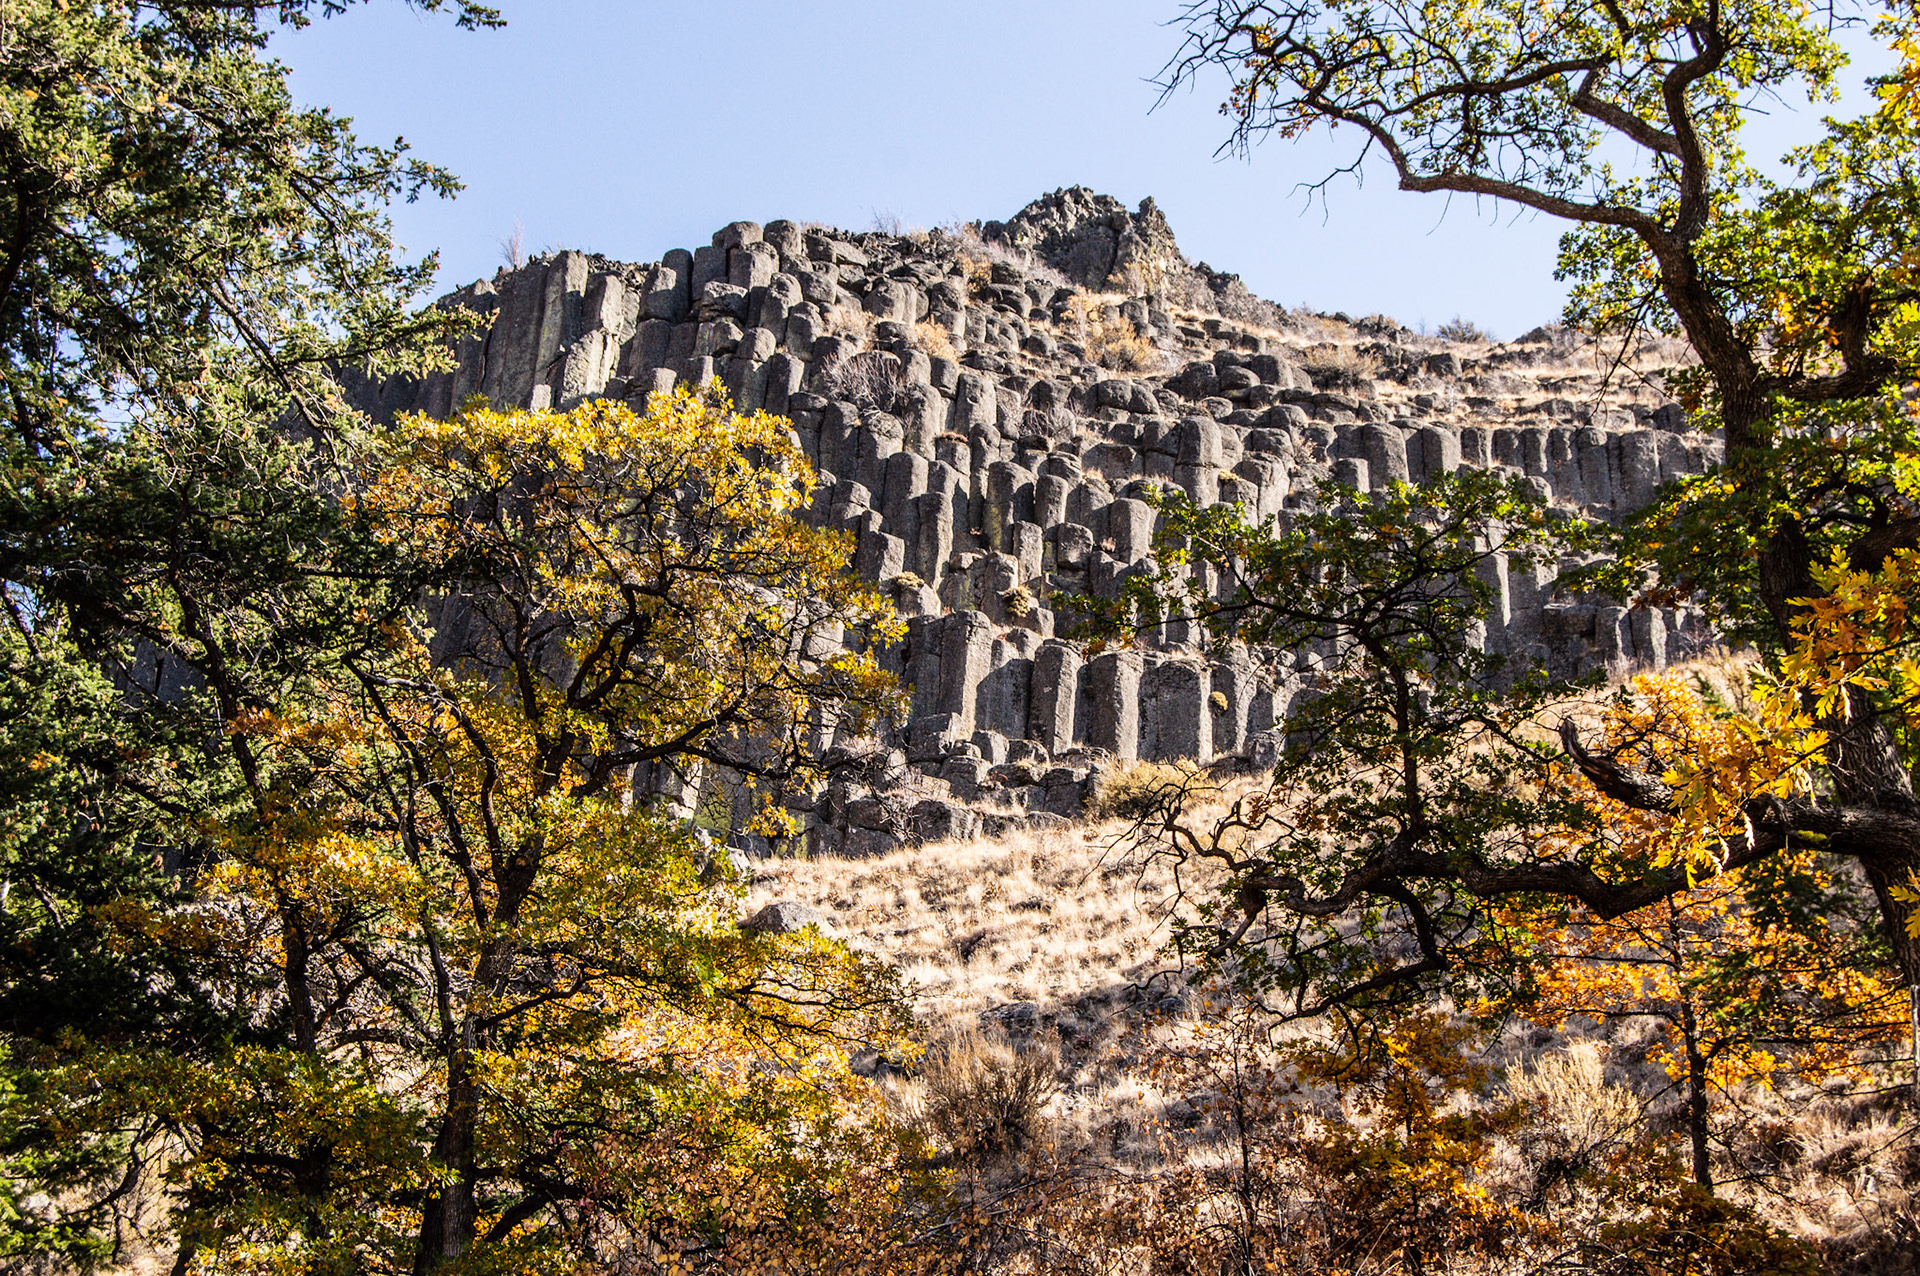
1406 797
1747 975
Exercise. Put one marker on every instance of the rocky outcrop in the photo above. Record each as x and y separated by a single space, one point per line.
1095 243
986 424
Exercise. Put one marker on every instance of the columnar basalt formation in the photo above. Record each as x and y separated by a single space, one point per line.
987 411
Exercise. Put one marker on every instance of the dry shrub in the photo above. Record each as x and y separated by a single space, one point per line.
891 224
1459 329
935 340
1123 350
1333 364
1135 790
1109 337
1580 1117
979 276
983 1096
851 321
1086 308
1318 327
872 379
980 255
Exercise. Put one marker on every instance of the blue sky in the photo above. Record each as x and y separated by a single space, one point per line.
629 127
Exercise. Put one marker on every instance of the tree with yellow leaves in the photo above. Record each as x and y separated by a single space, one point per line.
1748 975
496 1010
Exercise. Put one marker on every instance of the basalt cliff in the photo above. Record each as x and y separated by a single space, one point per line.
987 407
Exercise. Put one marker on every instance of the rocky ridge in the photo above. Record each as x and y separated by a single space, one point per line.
987 407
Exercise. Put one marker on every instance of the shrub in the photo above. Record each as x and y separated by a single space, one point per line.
872 379
981 254
1336 365
1579 1116
1135 790
852 322
982 1095
979 276
935 340
1458 329
1123 350
1109 337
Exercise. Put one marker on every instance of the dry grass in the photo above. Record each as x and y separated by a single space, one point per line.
1046 916
1066 920
1582 1116
1134 790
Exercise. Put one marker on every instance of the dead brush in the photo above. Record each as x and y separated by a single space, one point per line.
982 1095
935 340
1125 351
1580 1117
1337 365
1135 790
872 379
1461 330
852 322
1108 337
981 253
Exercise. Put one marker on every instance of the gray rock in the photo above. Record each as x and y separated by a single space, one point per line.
1054 695
669 293
932 820
722 300
736 234
1173 711
786 917
1113 701
1016 1018
868 844
1197 380
752 265
965 659
785 238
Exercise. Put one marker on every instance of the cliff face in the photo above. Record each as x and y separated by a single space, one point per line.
986 410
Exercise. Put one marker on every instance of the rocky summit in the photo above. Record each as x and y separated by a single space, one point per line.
988 405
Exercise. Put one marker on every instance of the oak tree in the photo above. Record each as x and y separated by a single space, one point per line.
1796 292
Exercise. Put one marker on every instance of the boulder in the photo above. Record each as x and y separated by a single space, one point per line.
786 917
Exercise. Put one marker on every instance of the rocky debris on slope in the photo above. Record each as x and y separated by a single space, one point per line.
987 413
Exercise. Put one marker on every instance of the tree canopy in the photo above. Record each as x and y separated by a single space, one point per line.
335 932
1796 294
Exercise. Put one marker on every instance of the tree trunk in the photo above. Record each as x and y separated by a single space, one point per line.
1864 763
1697 1128
448 1220
1883 875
